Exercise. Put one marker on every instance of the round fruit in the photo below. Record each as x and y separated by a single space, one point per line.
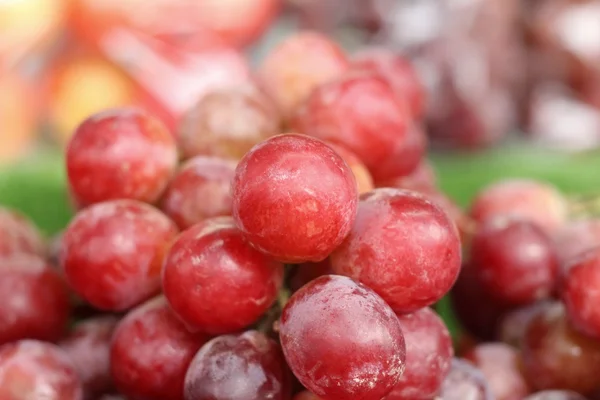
341 340
34 298
112 253
37 370
151 351
428 356
199 190
298 65
575 238
403 246
525 199
465 381
361 112
120 153
211 267
294 198
249 366
228 122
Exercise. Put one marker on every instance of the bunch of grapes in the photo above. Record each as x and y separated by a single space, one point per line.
290 242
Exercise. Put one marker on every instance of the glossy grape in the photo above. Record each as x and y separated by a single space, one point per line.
249 366
88 347
30 369
294 198
514 261
361 112
151 351
228 122
199 190
555 356
121 153
211 267
35 300
403 246
341 340
428 356
580 291
112 253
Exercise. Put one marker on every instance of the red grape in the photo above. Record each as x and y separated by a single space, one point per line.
121 153
555 395
580 292
465 382
298 65
200 190
341 340
513 325
363 177
228 122
112 253
555 356
19 235
524 199
575 238
500 365
37 370
398 71
361 112
151 351
306 395
211 267
294 198
402 246
514 261
422 178
249 366
428 356
88 347
306 272
34 298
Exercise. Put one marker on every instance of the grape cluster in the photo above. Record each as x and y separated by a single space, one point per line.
235 261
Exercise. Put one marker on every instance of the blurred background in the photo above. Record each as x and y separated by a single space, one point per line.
512 86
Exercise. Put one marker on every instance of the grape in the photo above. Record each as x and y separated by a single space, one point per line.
341 340
299 64
248 366
402 246
120 153
580 292
151 351
19 235
30 370
34 298
477 311
555 395
514 261
465 382
88 347
294 198
428 356
228 122
513 324
575 238
112 253
555 356
361 112
530 200
200 190
363 177
211 267
422 178
500 365
398 71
